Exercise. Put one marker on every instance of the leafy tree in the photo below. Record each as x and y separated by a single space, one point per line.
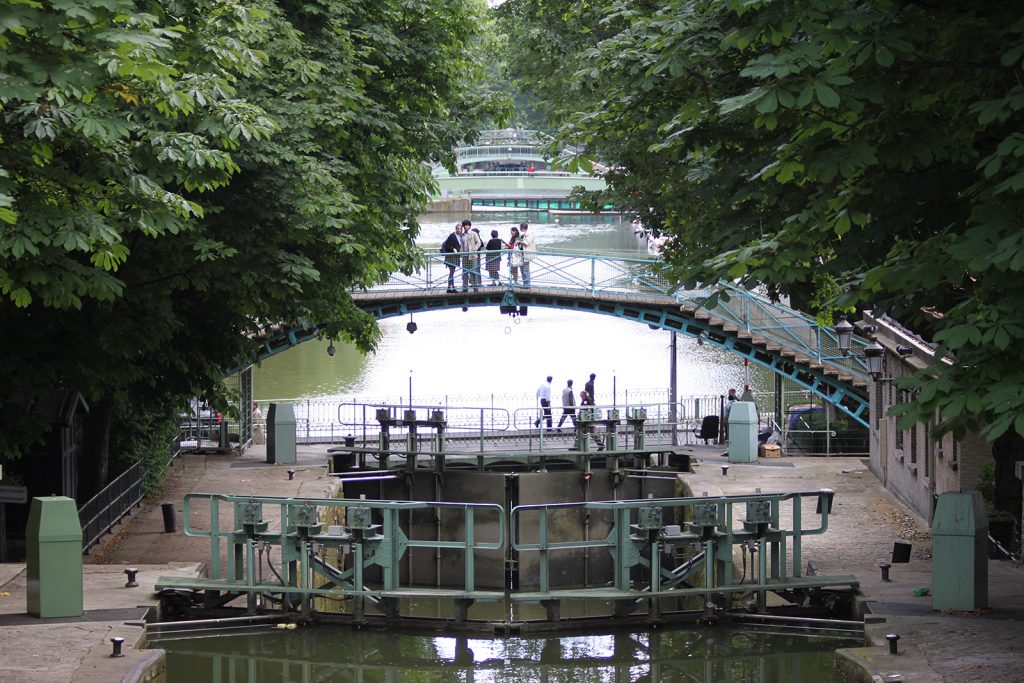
245 167
868 154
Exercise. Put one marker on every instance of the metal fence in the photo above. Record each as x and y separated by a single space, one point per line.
807 425
109 506
117 499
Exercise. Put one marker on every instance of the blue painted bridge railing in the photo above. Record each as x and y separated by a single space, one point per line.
645 281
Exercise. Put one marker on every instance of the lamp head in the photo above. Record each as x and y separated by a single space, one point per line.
874 355
844 334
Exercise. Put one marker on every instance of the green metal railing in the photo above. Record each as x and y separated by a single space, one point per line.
639 536
372 533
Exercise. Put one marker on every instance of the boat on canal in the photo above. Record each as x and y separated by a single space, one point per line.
513 168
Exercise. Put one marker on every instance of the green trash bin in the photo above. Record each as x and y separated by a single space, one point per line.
281 434
742 432
960 552
53 564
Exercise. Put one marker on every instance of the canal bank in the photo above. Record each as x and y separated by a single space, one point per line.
866 521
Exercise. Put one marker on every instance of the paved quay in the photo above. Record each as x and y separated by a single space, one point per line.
983 646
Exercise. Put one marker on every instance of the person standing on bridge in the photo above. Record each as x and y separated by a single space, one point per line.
494 247
529 251
471 244
515 254
568 405
452 246
544 394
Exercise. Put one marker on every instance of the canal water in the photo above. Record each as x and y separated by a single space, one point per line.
334 654
471 357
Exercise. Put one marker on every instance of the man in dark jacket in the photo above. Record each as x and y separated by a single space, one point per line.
451 246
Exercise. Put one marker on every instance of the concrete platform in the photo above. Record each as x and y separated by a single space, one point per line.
987 645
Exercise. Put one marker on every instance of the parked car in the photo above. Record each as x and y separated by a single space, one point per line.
810 431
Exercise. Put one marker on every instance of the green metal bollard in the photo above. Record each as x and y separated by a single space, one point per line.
54 561
960 552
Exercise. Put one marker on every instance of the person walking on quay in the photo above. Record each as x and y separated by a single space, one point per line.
529 250
544 394
470 260
494 247
588 415
515 254
568 405
451 247
588 388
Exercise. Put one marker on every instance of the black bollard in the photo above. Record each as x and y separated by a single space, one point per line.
291 474
892 638
885 571
170 523
118 642
131 572
350 441
725 470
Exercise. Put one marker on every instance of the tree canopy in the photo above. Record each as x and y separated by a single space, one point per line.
862 155
177 176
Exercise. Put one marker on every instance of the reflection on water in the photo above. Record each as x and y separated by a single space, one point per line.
327 654
480 353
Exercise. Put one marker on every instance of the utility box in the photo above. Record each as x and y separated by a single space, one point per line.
743 432
281 434
53 564
960 552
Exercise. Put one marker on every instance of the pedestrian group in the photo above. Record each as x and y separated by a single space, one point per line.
464 247
569 407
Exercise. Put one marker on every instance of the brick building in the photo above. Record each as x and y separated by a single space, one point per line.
913 463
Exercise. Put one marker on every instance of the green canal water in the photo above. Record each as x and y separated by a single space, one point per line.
333 654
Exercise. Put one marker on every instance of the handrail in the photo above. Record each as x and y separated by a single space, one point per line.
646 277
108 507
729 501
215 534
783 542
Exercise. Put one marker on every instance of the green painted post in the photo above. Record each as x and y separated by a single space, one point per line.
960 552
281 434
543 543
470 579
742 432
53 562
797 536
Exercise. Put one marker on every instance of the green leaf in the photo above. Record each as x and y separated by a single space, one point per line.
826 96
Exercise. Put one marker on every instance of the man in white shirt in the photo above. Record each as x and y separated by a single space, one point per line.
471 260
529 250
544 394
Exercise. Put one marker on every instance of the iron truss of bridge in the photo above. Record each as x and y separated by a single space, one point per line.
784 340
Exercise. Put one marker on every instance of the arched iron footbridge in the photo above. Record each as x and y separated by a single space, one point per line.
786 341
